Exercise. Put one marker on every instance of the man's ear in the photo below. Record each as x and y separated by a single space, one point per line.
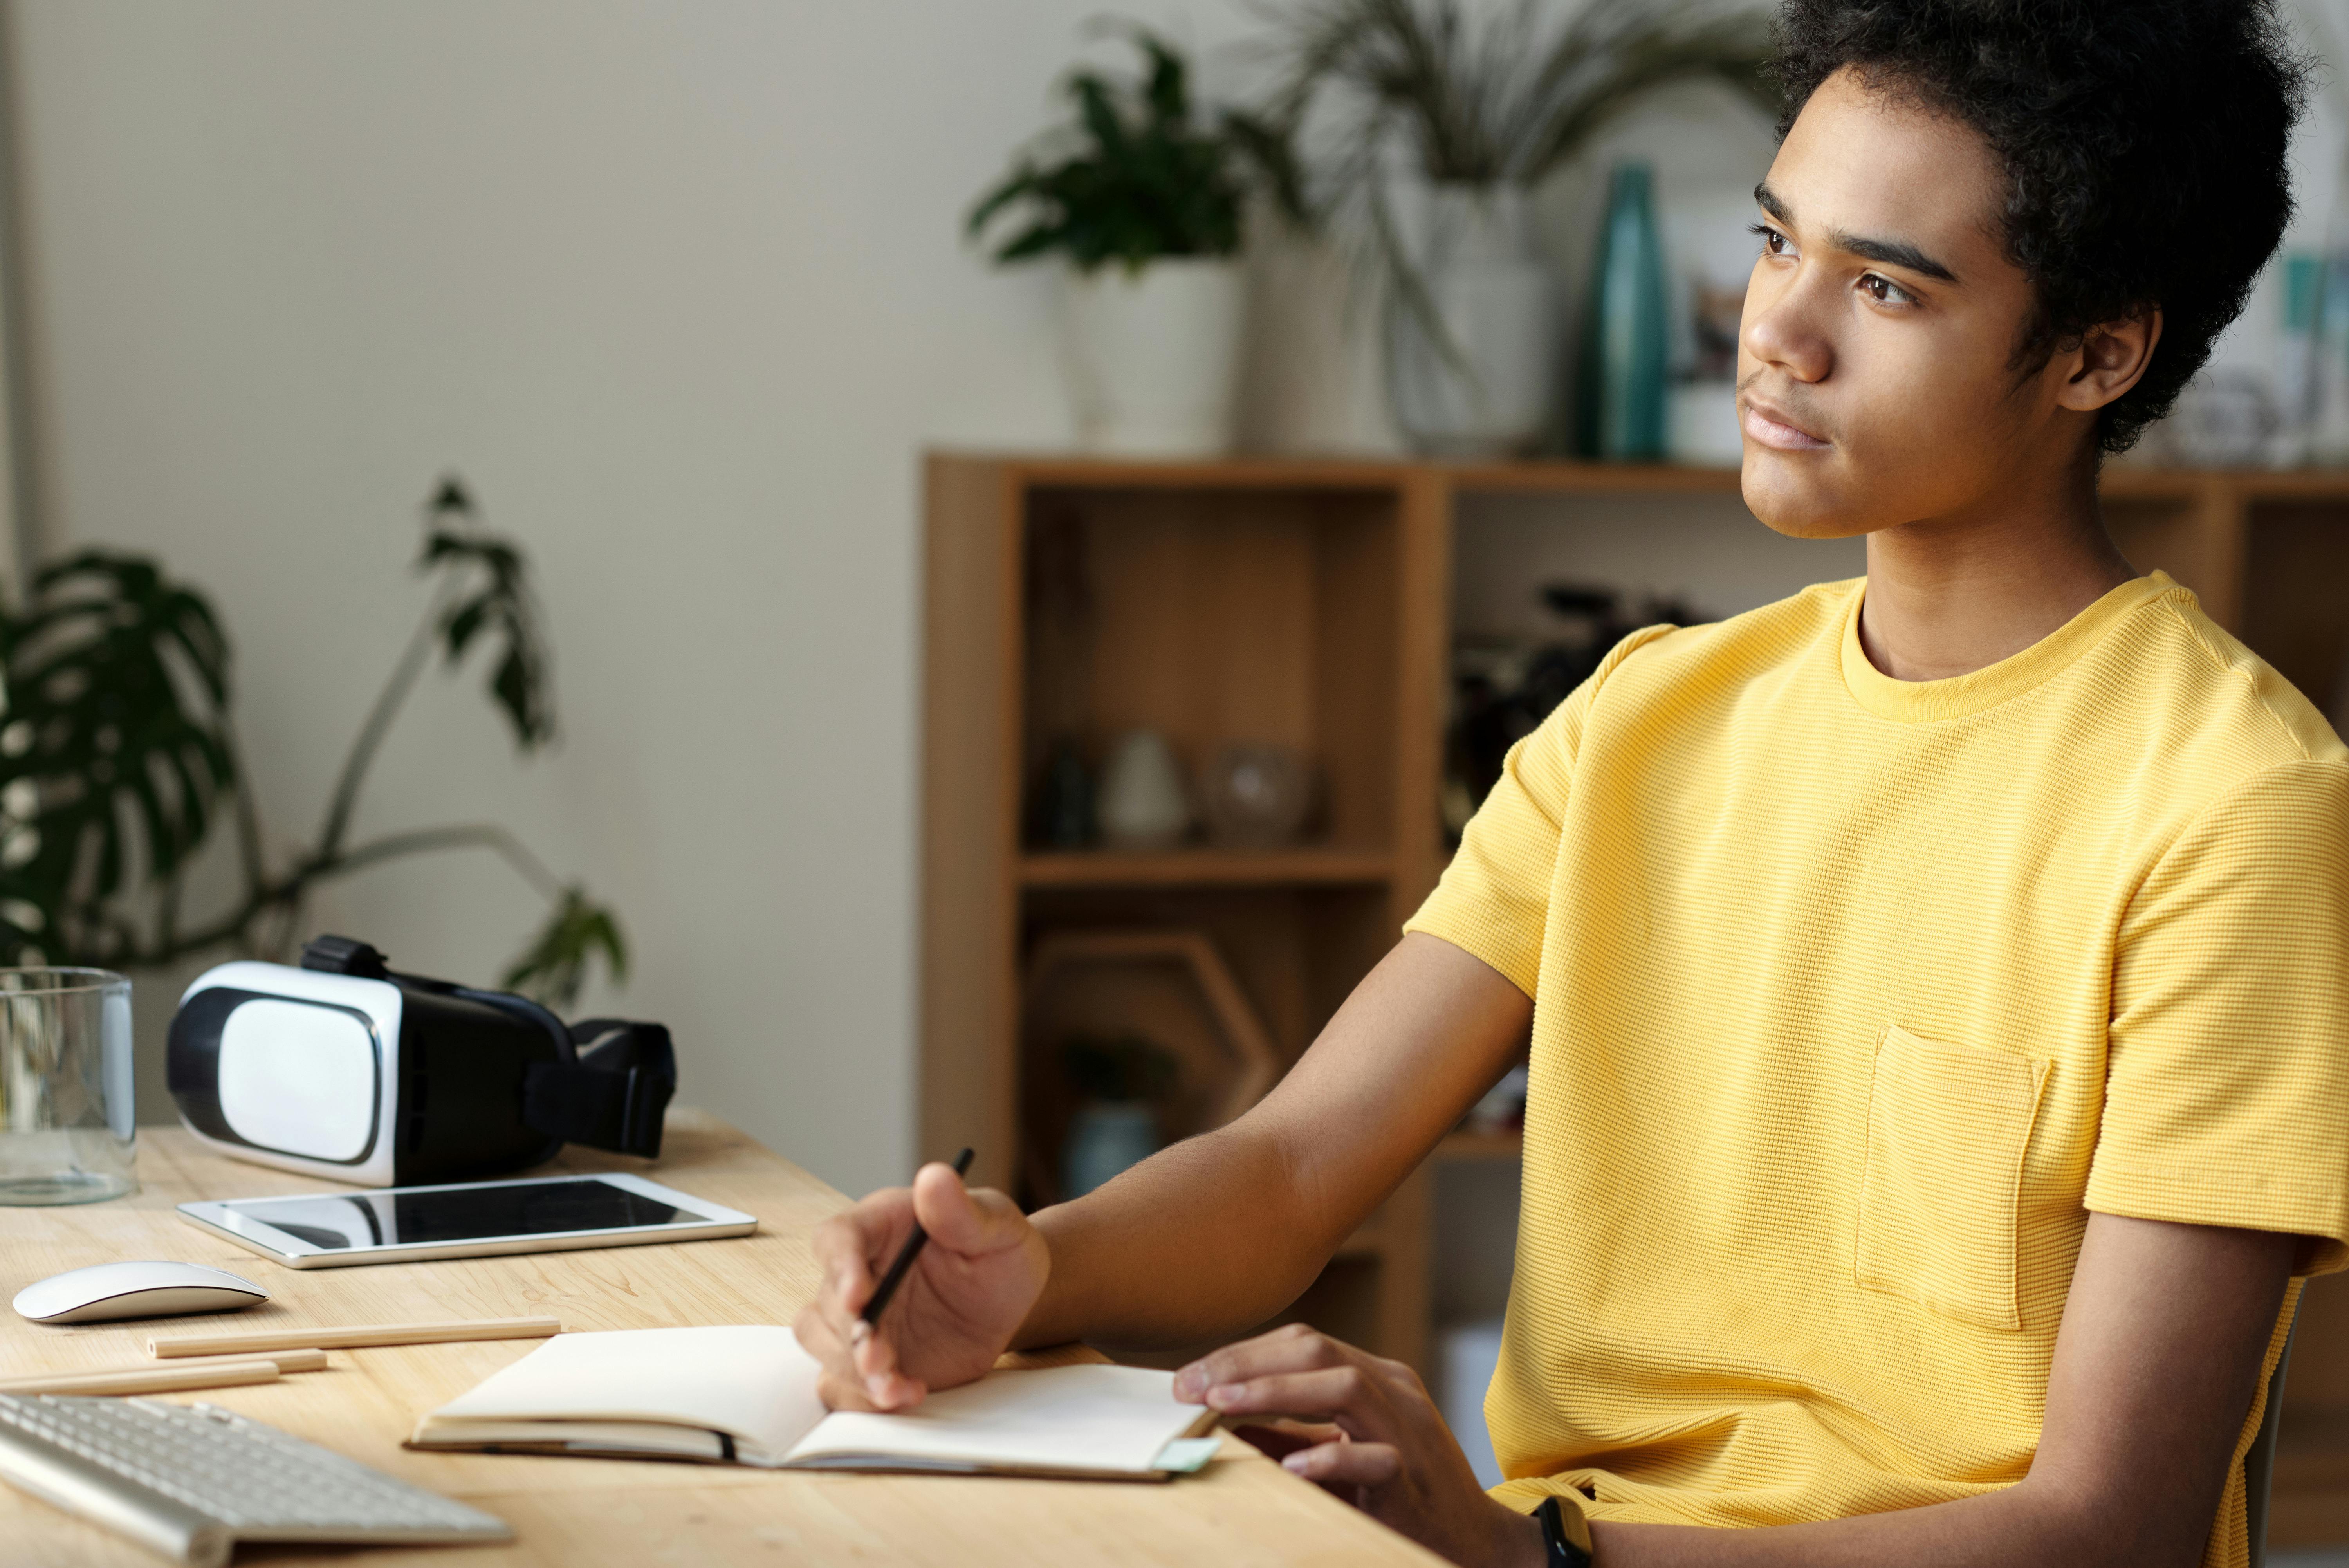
2110 361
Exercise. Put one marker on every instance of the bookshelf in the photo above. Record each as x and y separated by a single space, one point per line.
1312 603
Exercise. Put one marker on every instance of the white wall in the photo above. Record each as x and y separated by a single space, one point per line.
680 290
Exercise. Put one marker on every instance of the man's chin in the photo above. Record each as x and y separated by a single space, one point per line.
1796 494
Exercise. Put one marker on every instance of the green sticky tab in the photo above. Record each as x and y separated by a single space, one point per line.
1186 1456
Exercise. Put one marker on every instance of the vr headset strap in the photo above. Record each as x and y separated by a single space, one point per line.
612 1096
609 1086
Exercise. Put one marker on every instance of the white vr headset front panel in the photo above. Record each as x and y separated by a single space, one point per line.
303 1084
299 1078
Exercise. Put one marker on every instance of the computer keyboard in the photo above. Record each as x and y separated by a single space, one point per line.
191 1480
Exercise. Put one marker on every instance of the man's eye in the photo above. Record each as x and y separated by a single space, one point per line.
1774 243
1885 291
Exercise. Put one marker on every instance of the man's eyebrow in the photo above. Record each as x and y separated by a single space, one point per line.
1891 252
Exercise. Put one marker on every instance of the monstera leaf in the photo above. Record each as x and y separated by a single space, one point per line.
499 606
554 965
113 747
117 757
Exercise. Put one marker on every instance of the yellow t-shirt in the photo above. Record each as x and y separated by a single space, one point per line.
1852 997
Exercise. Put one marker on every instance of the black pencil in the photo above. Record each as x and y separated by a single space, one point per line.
905 1256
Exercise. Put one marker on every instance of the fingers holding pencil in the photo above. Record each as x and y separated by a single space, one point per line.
949 1199
962 1294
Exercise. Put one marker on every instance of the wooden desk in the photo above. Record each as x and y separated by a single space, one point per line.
580 1512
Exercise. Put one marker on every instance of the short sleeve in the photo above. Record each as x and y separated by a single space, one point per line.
1494 899
2226 1082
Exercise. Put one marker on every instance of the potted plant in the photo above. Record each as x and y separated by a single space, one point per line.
1146 207
120 763
1434 127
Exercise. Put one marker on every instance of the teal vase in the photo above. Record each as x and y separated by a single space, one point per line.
1619 405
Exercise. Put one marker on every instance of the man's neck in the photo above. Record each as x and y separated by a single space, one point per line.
1948 595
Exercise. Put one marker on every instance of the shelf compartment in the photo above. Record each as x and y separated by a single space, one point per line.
1170 987
1296 950
2296 594
1216 618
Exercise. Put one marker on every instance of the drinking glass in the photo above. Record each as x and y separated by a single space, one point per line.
67 1133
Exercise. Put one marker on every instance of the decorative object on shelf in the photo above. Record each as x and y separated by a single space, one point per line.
1708 237
1064 800
1169 988
2297 388
1144 803
1501 691
1104 1140
1483 109
1153 357
1121 1081
120 676
1469 374
2327 414
2227 419
1716 316
1145 205
1256 796
1701 426
1619 398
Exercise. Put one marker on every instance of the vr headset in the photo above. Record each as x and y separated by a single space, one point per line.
343 1068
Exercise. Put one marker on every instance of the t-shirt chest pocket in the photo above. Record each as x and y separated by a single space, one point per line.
1947 1129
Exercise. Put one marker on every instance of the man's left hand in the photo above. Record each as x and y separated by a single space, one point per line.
1390 1451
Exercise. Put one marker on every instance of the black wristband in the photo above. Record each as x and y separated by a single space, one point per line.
1568 1545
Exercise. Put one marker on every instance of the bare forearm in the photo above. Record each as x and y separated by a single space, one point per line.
1208 1238
1217 1234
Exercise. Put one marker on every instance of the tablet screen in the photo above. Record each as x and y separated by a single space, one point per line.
428 1216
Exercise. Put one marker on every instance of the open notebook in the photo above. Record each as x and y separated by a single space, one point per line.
747 1393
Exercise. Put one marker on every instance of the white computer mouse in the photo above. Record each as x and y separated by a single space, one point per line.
107 1291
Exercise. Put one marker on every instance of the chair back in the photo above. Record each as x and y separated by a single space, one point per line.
2259 1461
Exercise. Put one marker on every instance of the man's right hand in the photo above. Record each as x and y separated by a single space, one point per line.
957 1310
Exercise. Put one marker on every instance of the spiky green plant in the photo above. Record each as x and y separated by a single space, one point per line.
118 754
1505 99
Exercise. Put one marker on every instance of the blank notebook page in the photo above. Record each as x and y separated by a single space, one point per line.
755 1383
1063 1417
750 1379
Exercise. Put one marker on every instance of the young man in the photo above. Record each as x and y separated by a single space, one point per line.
1937 986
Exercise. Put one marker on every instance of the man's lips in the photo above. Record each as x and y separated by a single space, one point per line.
1772 429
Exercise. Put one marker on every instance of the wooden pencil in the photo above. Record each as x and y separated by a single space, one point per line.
357 1337
146 1379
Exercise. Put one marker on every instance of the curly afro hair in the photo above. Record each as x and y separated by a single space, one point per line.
2143 142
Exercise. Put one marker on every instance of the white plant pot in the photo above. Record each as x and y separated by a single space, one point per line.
1153 357
1480 384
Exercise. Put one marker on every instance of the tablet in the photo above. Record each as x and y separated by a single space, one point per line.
466 1219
